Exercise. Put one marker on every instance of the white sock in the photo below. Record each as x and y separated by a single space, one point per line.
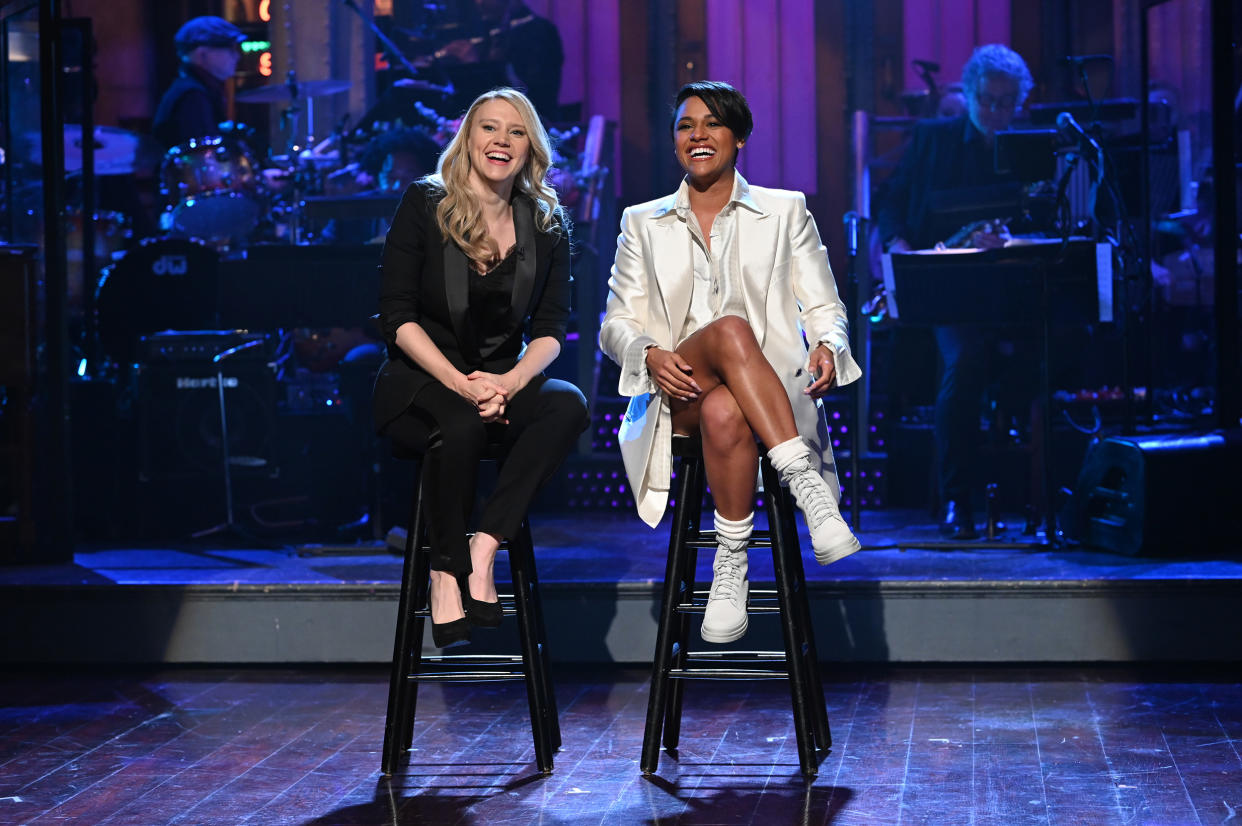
784 454
736 531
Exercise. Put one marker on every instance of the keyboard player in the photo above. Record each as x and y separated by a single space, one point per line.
945 162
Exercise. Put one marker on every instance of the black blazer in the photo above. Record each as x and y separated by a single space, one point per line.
193 107
423 279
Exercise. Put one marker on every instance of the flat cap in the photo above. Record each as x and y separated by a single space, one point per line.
207 31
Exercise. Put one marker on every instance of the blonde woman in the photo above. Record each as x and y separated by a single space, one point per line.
476 261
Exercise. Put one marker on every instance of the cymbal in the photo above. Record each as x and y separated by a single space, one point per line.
117 151
279 92
422 86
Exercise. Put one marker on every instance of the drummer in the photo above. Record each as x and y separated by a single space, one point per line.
194 106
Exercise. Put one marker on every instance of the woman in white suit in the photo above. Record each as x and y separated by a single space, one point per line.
711 292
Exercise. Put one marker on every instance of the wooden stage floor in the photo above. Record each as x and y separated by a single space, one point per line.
946 746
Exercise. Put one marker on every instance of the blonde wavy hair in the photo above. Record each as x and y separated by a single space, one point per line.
459 214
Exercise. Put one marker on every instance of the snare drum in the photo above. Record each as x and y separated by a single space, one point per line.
213 189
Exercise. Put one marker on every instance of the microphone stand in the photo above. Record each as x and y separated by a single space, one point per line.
924 69
1122 234
852 222
289 115
228 526
1126 240
1053 536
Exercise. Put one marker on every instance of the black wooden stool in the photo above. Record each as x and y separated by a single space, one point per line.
673 663
408 661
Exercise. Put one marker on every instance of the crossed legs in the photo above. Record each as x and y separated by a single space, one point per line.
742 397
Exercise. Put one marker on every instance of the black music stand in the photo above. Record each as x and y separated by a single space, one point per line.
1013 286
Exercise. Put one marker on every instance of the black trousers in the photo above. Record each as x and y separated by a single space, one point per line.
545 418
964 357
975 359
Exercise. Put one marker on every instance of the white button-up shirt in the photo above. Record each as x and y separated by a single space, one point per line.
716 289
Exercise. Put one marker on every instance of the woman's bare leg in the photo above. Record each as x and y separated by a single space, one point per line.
730 455
483 547
731 459
445 598
726 352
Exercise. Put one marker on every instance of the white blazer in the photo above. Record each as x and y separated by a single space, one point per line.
787 286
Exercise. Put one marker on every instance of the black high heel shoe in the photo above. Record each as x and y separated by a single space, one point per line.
480 613
452 633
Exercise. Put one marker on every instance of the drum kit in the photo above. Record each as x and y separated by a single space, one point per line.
218 200
214 188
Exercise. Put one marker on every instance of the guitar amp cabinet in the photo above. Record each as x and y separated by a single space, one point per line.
179 423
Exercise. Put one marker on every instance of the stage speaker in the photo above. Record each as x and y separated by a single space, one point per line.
179 426
1158 495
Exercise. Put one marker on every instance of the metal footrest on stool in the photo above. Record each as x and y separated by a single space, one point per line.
409 664
674 663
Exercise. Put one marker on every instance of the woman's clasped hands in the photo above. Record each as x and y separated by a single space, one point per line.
487 393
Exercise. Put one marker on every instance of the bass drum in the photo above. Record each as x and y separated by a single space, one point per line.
213 189
160 284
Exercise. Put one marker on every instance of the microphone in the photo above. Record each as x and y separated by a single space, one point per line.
1067 124
927 65
521 253
851 219
1079 60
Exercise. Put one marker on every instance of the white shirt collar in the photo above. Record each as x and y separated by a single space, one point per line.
680 204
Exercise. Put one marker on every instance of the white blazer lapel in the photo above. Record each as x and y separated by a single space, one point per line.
673 268
756 244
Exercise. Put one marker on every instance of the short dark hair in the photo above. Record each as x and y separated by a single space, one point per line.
722 100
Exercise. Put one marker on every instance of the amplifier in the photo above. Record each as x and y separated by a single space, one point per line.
198 346
1158 495
180 433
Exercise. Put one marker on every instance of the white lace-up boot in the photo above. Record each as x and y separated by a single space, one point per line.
830 536
725 619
